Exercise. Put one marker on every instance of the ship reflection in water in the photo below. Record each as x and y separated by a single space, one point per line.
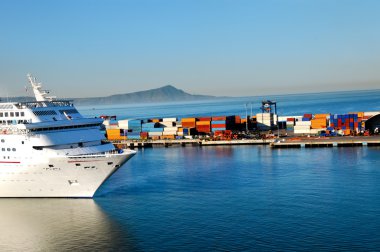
59 225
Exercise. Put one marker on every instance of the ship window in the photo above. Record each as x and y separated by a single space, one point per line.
2 140
77 164
8 149
22 142
13 149
22 114
2 149
110 163
17 114
12 114
1 114
6 114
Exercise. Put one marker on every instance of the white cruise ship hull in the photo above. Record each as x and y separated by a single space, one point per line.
77 177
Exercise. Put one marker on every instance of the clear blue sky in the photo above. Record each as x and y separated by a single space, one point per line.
81 48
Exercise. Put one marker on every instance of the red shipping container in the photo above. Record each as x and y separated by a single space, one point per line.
356 125
308 115
290 119
332 125
219 118
204 129
218 126
204 119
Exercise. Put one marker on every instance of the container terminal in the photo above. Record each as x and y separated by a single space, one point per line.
267 127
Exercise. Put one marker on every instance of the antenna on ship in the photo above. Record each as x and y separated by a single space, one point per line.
39 93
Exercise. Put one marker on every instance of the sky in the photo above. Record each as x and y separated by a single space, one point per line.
90 48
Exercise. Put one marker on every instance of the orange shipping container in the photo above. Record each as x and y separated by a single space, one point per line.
171 137
324 116
188 124
191 119
319 123
203 123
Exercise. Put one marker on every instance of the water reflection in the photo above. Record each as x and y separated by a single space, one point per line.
59 225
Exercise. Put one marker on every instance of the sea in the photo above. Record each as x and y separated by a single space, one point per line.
217 198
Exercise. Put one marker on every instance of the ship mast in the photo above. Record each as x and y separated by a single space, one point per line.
39 93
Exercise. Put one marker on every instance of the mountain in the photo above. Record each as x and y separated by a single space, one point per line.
164 94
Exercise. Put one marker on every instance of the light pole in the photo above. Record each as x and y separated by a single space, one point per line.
246 118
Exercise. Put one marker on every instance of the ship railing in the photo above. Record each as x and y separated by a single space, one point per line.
98 154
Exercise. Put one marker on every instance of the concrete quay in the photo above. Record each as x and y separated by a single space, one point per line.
313 142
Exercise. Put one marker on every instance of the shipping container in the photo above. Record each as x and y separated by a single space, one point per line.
204 119
206 123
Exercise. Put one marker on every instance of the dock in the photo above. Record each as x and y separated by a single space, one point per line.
189 142
353 141
305 142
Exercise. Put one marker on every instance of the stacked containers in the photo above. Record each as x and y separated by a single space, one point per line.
133 135
152 128
222 123
135 125
290 122
203 125
188 125
169 126
303 126
188 122
114 134
346 122
319 121
265 121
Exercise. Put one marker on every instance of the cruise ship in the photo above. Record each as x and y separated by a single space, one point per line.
48 149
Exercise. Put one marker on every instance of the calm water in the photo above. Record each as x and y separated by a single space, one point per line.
235 198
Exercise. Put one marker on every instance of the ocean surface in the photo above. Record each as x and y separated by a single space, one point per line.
231 198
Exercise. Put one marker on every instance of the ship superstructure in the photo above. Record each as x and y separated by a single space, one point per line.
48 149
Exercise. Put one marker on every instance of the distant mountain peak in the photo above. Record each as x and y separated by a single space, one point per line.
167 93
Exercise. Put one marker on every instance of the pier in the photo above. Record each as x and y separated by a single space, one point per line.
326 142
305 142
189 142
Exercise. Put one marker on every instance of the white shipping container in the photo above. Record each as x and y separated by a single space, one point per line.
371 113
303 123
155 133
112 126
169 119
170 129
284 118
301 127
264 115
166 133
315 131
167 124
